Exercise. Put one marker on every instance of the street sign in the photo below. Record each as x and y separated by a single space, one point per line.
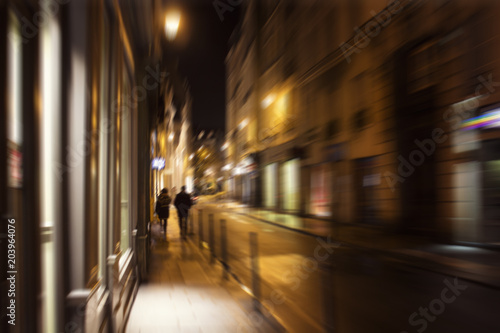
158 163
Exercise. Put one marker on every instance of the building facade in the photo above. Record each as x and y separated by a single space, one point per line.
171 139
208 160
370 112
81 91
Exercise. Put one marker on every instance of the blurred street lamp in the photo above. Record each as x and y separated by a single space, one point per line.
243 123
268 100
172 22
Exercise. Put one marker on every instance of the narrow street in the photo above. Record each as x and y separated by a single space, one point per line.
324 166
370 293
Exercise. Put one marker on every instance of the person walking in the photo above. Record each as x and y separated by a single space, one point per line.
163 209
183 203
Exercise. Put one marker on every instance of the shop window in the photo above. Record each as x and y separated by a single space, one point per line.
270 173
49 147
366 181
321 196
290 185
491 191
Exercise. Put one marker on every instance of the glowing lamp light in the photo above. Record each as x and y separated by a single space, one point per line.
171 137
172 22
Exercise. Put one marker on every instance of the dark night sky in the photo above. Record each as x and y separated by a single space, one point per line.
201 47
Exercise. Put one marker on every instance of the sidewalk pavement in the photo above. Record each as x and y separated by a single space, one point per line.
186 294
475 263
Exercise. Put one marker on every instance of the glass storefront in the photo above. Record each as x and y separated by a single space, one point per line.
321 195
476 182
270 173
14 128
491 191
104 148
246 189
290 185
50 45
124 122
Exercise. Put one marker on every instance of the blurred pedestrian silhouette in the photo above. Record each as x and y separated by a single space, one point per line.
183 203
163 208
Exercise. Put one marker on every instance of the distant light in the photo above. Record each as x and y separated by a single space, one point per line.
201 148
171 137
201 135
191 156
243 123
268 100
227 167
238 171
172 22
224 146
246 162
247 290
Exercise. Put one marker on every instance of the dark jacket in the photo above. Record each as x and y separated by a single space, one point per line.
183 202
163 206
